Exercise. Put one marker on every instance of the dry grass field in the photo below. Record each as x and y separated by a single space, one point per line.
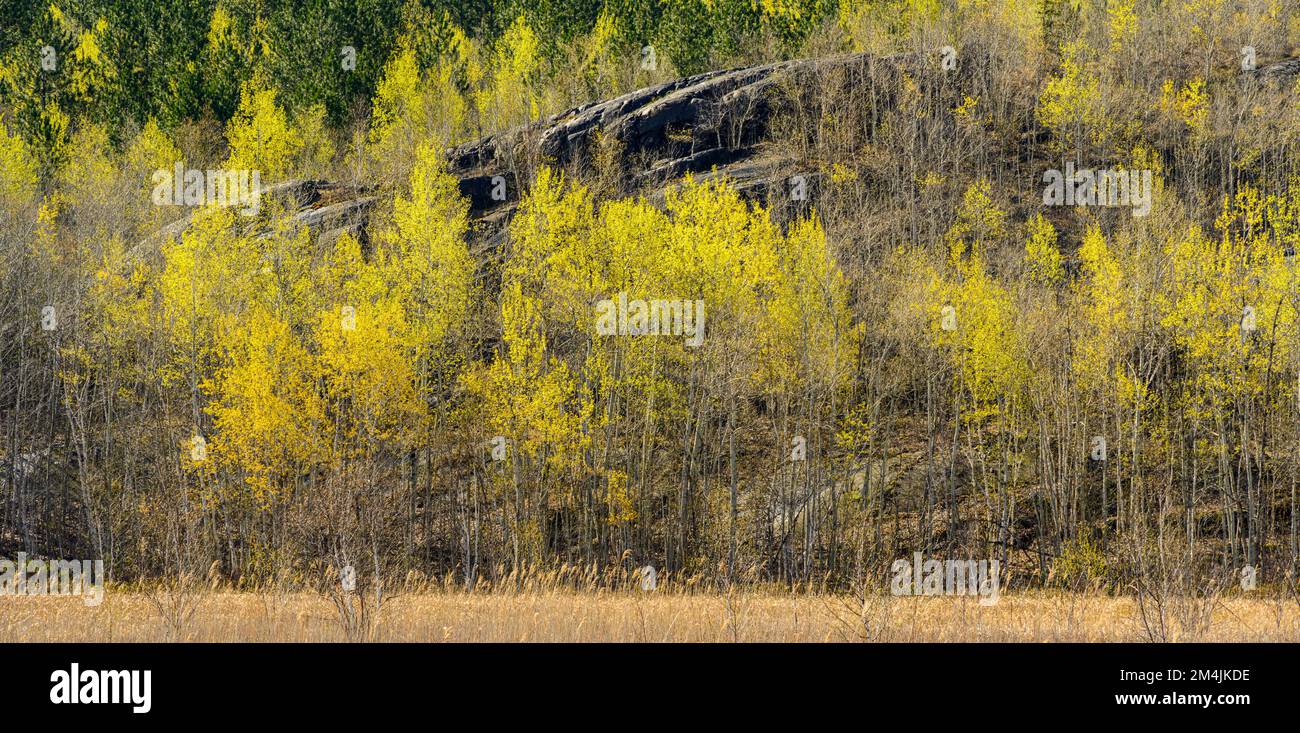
567 616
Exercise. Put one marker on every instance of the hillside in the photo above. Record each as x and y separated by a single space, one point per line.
977 282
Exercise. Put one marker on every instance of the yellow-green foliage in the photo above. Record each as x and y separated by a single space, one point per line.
398 97
1042 258
1122 24
259 134
1071 104
414 108
317 151
1104 311
809 333
18 173
427 242
1188 103
601 57
266 412
1080 562
91 167
924 320
151 150
979 221
885 26
775 304
1213 281
259 335
985 348
512 97
91 71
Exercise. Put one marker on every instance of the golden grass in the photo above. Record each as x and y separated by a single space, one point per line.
566 616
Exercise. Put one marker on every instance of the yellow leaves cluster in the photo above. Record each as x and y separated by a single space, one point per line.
90 172
18 169
529 396
89 70
1070 105
317 152
266 412
978 221
776 309
512 97
809 334
621 509
1103 328
966 111
290 384
1189 103
93 71
600 57
1228 303
1214 282
1042 258
986 347
398 97
415 106
842 174
259 134
432 268
1121 23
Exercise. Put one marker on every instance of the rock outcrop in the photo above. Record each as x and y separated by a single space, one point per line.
711 124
